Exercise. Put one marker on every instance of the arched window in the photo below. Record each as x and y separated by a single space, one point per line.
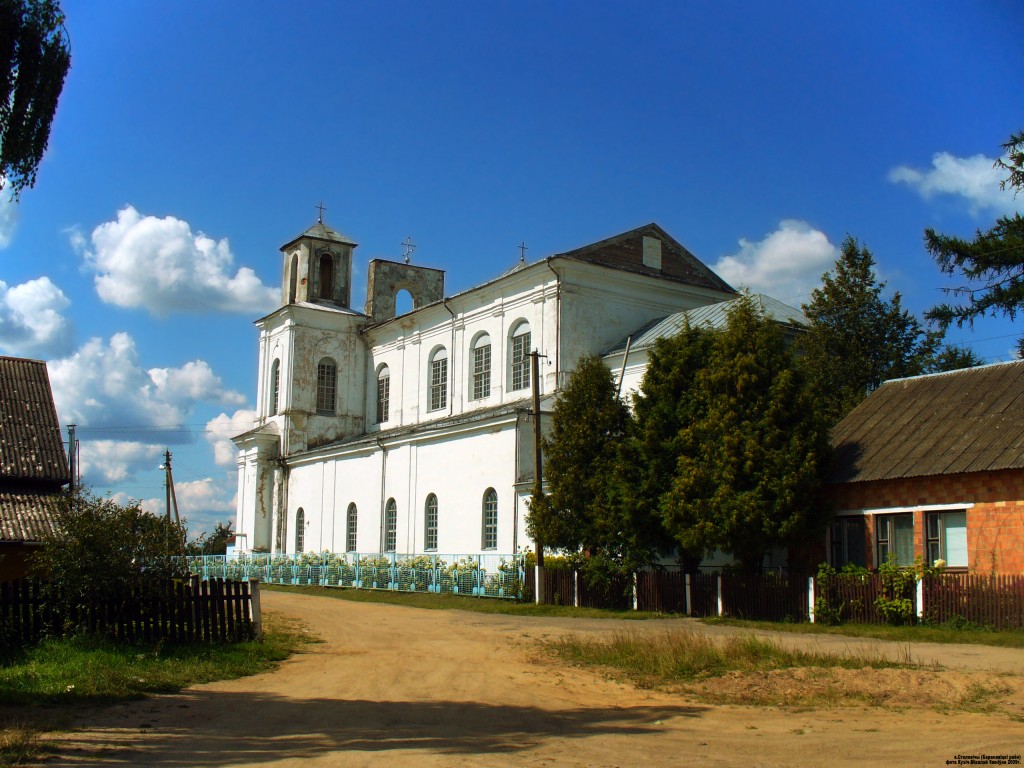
383 394
293 278
481 384
351 519
300 530
326 276
326 386
437 396
390 526
519 359
275 386
430 523
489 539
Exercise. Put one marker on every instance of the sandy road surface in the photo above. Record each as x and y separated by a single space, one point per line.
407 687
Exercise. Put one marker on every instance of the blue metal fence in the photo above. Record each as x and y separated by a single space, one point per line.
475 575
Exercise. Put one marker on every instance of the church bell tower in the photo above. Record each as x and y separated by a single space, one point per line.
318 268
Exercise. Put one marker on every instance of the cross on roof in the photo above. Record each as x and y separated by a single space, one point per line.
522 251
320 218
410 246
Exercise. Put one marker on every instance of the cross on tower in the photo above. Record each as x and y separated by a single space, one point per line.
522 251
410 246
320 218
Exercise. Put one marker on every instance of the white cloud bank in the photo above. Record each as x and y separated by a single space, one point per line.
973 178
202 503
126 414
220 430
31 319
161 266
787 264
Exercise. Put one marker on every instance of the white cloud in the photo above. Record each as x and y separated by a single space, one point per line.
8 218
973 178
787 264
202 503
124 412
222 428
31 322
160 265
106 462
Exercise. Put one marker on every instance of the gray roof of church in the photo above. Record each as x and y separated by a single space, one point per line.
321 231
939 424
714 316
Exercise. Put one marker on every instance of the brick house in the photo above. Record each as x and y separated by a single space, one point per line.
933 466
33 466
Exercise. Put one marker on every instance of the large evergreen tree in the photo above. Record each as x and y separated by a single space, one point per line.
581 511
857 338
992 263
752 457
34 60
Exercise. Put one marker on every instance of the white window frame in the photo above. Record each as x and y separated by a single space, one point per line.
326 387
383 394
437 387
519 356
391 526
935 544
430 518
351 528
489 520
480 385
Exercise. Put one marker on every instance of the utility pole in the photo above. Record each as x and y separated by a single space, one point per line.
172 499
73 457
538 480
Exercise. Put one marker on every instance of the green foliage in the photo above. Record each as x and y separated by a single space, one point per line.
34 60
827 609
753 456
953 358
896 603
857 338
992 262
101 549
583 511
215 543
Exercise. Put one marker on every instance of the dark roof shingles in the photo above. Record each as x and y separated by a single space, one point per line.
30 440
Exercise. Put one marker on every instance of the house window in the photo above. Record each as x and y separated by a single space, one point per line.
894 535
326 276
430 523
300 530
326 386
351 519
520 356
390 526
438 395
947 538
275 386
482 367
848 542
383 394
489 539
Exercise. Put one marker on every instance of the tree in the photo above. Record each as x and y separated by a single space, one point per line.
581 511
663 406
992 263
34 60
215 543
101 549
857 339
953 358
752 458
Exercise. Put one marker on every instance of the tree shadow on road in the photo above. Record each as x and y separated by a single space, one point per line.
213 728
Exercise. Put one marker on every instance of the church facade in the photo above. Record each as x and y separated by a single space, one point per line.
413 433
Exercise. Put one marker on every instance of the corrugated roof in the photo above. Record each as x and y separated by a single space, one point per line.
27 516
30 439
714 316
940 424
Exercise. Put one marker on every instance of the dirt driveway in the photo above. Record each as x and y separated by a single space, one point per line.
408 687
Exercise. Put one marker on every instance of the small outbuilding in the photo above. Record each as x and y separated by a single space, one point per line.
933 467
33 466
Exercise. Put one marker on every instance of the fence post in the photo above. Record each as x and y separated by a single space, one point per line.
719 594
538 584
636 598
810 598
575 588
255 614
920 598
689 605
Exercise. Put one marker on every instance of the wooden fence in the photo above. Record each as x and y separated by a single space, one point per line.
993 601
183 611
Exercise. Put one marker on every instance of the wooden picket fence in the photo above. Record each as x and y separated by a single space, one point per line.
992 601
182 611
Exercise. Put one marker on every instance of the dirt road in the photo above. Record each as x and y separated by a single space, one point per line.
407 687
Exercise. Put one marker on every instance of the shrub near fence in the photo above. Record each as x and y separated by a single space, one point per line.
181 612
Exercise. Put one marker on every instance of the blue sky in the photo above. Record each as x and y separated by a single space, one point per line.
192 140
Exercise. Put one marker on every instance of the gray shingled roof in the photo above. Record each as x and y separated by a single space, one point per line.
321 231
30 441
714 316
27 516
940 424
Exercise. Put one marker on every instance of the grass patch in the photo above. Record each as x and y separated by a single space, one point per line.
684 656
914 634
459 603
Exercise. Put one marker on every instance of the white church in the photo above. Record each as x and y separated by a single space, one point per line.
413 433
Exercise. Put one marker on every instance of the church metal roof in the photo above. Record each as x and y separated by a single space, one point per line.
321 231
714 316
